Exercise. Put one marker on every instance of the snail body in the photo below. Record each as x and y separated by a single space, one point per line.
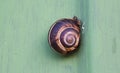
64 35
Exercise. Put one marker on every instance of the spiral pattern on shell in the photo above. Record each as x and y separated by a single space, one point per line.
64 35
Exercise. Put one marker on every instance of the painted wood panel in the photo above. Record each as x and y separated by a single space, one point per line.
104 28
24 26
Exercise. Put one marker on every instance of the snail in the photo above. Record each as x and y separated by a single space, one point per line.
64 35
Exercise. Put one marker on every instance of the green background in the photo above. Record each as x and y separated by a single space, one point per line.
24 26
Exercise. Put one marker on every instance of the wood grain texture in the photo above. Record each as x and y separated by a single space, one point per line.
24 26
104 21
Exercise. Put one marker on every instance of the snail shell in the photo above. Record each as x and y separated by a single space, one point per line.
64 35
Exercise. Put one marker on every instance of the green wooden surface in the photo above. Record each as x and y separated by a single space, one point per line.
24 26
104 30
